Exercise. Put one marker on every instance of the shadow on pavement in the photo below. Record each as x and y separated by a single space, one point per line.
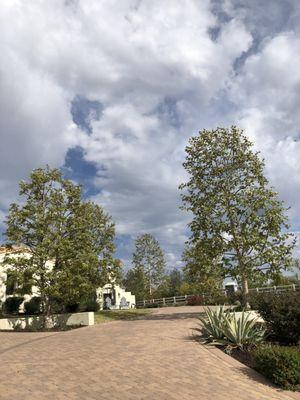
171 316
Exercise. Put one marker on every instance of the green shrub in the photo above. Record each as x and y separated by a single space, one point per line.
235 297
222 327
195 300
72 308
152 305
33 306
91 305
279 364
57 306
281 312
12 304
217 299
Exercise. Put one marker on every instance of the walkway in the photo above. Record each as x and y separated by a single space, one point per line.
149 359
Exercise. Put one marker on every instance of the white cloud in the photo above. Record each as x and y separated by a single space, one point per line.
267 92
160 76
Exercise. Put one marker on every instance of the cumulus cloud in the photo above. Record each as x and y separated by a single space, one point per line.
267 91
138 78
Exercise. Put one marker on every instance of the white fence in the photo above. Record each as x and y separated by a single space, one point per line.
182 300
294 287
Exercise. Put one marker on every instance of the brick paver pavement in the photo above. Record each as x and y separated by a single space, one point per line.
150 359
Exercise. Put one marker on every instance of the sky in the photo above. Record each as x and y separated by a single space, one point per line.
110 92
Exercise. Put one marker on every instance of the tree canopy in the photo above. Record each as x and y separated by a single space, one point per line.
149 261
69 242
239 223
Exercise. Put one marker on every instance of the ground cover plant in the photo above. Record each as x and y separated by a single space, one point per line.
120 315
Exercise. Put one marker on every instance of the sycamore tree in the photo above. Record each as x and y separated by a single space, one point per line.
239 223
69 242
203 273
149 261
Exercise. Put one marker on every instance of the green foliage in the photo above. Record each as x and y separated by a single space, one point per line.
33 306
149 261
195 300
281 312
237 218
135 282
120 315
225 328
53 223
216 298
203 277
279 364
152 305
12 304
92 305
175 280
212 324
282 280
89 303
242 331
11 284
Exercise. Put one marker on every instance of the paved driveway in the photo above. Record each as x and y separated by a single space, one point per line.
153 359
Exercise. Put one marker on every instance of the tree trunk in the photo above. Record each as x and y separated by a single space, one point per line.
47 323
245 291
150 287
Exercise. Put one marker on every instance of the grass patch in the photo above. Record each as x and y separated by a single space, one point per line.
120 315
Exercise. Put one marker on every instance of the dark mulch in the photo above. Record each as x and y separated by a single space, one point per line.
245 357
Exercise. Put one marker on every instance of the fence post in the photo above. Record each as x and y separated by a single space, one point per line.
144 303
294 287
174 300
164 301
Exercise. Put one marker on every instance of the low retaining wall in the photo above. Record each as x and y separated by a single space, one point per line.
56 320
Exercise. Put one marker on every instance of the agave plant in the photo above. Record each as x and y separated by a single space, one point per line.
242 332
224 328
212 324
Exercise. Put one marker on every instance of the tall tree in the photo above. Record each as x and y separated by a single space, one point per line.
203 273
135 282
175 280
238 220
148 259
69 242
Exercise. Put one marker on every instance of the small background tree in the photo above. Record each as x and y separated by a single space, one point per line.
238 220
149 262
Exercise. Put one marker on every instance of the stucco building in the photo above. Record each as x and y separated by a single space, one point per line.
110 296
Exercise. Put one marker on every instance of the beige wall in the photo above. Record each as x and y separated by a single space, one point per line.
58 320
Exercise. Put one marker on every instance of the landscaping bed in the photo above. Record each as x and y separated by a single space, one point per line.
272 348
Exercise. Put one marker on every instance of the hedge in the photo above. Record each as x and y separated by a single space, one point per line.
281 311
280 364
12 304
33 306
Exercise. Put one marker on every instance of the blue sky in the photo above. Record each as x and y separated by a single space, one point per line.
111 91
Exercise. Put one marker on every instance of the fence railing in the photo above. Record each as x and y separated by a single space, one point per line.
295 287
181 300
